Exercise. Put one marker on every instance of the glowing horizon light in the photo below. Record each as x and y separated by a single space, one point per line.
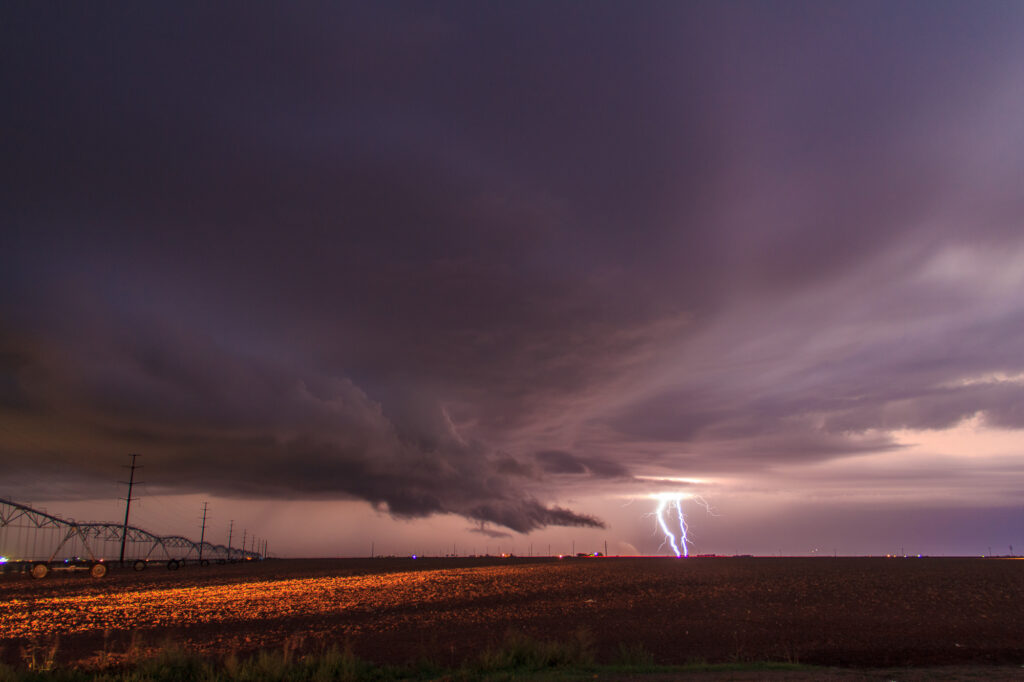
3 560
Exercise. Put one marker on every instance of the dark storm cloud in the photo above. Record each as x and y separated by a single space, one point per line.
449 258
1000 402
490 532
236 425
560 462
557 462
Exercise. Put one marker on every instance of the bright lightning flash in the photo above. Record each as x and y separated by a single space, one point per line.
672 520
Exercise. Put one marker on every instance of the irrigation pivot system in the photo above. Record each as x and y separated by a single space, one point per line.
34 541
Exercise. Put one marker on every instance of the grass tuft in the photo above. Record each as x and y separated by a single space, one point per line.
8 674
40 656
521 653
172 663
633 655
343 665
518 656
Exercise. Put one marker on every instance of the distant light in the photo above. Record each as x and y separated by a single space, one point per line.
413 556
3 560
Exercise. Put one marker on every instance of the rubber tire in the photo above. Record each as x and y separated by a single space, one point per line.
39 570
204 562
139 565
98 570
173 565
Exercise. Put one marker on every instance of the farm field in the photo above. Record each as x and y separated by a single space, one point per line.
837 612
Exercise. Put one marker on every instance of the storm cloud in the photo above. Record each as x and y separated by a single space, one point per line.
472 259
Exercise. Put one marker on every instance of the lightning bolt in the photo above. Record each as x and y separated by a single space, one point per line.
672 520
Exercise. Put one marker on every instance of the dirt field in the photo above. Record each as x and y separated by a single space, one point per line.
845 612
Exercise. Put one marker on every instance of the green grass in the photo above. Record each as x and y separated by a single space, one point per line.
517 657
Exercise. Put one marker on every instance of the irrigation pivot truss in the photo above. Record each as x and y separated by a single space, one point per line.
37 541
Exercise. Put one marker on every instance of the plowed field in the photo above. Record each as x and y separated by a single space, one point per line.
862 612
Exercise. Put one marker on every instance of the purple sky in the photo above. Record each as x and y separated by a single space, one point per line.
494 274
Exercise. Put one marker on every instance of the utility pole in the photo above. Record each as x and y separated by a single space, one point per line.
243 542
128 506
202 535
231 529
